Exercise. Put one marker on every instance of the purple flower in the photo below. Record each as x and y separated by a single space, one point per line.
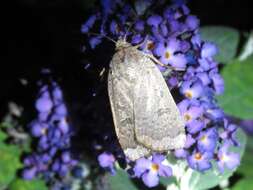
192 22
148 45
94 41
207 140
29 173
44 104
107 160
229 133
63 126
154 20
189 141
88 24
200 161
206 64
203 76
38 129
227 159
108 6
191 114
208 50
114 28
192 89
137 39
196 40
181 153
218 83
212 111
150 170
139 25
173 82
166 52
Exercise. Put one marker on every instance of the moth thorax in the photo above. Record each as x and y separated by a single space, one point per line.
122 44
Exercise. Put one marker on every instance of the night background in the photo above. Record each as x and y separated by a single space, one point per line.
46 34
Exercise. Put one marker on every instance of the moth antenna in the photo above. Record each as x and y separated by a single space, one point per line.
102 35
125 36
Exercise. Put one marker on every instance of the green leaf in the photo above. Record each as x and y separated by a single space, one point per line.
121 181
2 136
227 40
9 163
244 184
20 184
237 99
245 169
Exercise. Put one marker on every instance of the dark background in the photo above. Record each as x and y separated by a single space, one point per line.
47 34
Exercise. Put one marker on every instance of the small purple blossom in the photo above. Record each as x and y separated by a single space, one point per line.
139 25
200 160
227 159
192 89
218 83
166 51
150 170
192 22
229 133
181 153
208 50
88 24
154 20
189 141
107 161
207 140
191 114
94 41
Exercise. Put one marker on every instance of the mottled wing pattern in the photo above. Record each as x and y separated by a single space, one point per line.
121 81
158 123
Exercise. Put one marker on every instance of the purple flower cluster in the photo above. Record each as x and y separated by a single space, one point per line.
172 36
51 132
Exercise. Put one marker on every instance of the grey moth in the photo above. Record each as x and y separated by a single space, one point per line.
145 115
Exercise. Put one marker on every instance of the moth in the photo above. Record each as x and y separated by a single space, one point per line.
145 115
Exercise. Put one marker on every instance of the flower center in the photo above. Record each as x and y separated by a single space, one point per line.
224 158
155 167
203 138
188 94
198 156
44 131
150 45
187 117
167 55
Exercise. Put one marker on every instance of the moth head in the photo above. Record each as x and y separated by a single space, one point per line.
121 44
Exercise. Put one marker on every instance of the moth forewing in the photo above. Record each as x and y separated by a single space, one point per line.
144 112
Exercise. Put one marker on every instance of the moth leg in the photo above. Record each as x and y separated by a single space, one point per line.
154 59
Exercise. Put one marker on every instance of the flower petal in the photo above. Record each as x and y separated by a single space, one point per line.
150 179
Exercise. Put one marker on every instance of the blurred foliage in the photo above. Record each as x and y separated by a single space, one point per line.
246 169
225 38
237 100
20 184
10 163
121 181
